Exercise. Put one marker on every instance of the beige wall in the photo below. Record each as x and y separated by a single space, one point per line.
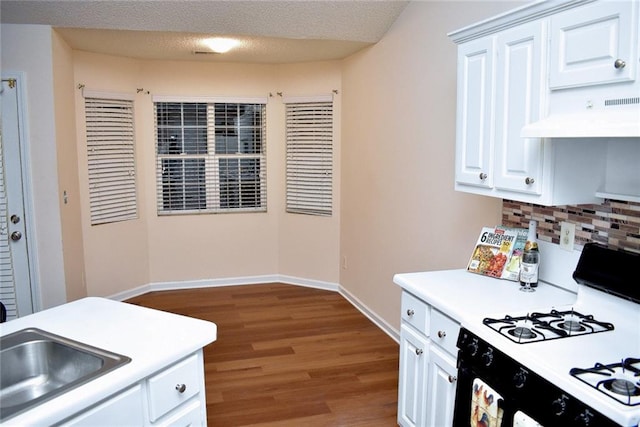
70 206
309 245
399 210
152 249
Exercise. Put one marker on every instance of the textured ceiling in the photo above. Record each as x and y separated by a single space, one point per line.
271 31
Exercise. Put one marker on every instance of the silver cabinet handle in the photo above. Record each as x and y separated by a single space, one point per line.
482 176
181 388
16 235
452 379
619 64
529 181
419 351
410 312
442 334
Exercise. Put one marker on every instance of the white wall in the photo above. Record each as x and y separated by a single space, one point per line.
28 49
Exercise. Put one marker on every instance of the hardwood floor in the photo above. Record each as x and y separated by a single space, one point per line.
289 356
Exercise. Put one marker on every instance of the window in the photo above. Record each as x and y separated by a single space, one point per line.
210 156
111 157
309 155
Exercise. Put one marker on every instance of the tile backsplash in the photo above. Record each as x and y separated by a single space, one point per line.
613 223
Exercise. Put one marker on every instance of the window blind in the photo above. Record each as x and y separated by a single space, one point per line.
211 157
111 159
309 131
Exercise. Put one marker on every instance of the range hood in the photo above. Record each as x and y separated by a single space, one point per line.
613 123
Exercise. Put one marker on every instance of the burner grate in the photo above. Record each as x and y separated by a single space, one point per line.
546 326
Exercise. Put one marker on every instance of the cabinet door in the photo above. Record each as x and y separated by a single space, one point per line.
125 409
587 42
519 77
474 113
413 377
441 389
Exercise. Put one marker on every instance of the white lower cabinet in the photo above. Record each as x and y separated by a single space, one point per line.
173 396
441 390
120 410
412 392
427 377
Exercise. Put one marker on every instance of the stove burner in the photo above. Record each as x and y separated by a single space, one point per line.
554 324
571 325
522 332
623 387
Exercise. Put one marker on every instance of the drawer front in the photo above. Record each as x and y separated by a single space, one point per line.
415 312
444 331
188 416
173 386
121 410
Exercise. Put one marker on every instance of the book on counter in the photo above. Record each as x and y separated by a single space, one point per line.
498 251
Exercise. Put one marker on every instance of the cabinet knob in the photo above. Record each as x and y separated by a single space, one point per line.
410 312
181 388
452 379
619 64
419 352
442 334
482 176
529 181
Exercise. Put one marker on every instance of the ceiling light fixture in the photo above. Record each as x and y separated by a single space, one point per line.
221 45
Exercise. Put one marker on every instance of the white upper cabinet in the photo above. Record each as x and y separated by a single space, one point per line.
520 68
594 45
474 162
520 79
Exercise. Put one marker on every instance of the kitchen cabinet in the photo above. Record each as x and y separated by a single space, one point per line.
427 364
172 396
499 87
122 409
506 82
593 45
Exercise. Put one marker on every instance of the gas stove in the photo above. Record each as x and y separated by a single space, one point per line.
619 381
586 354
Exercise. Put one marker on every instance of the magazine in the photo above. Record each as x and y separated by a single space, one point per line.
493 251
512 269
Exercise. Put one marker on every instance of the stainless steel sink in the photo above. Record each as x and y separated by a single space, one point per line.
36 366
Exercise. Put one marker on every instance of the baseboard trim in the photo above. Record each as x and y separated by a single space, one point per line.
371 315
256 280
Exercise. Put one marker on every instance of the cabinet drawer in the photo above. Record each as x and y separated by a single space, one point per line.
444 331
188 416
415 312
174 386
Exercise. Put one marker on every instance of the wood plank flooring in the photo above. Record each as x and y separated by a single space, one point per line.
289 356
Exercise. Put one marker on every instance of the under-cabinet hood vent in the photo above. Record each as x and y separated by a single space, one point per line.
620 118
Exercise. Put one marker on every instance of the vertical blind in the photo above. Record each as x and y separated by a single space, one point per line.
111 159
309 162
211 157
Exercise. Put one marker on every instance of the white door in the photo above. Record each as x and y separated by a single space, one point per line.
15 281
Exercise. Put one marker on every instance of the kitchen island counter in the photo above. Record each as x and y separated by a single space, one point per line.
152 339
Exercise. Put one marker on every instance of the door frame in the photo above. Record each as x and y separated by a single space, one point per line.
25 166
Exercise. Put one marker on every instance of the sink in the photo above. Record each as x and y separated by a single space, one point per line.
36 366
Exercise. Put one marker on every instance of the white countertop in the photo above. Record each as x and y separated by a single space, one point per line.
151 338
466 296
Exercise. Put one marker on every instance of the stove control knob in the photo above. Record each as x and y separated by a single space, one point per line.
487 357
520 378
473 347
559 406
585 418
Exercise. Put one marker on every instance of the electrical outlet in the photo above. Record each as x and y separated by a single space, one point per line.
567 235
344 262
